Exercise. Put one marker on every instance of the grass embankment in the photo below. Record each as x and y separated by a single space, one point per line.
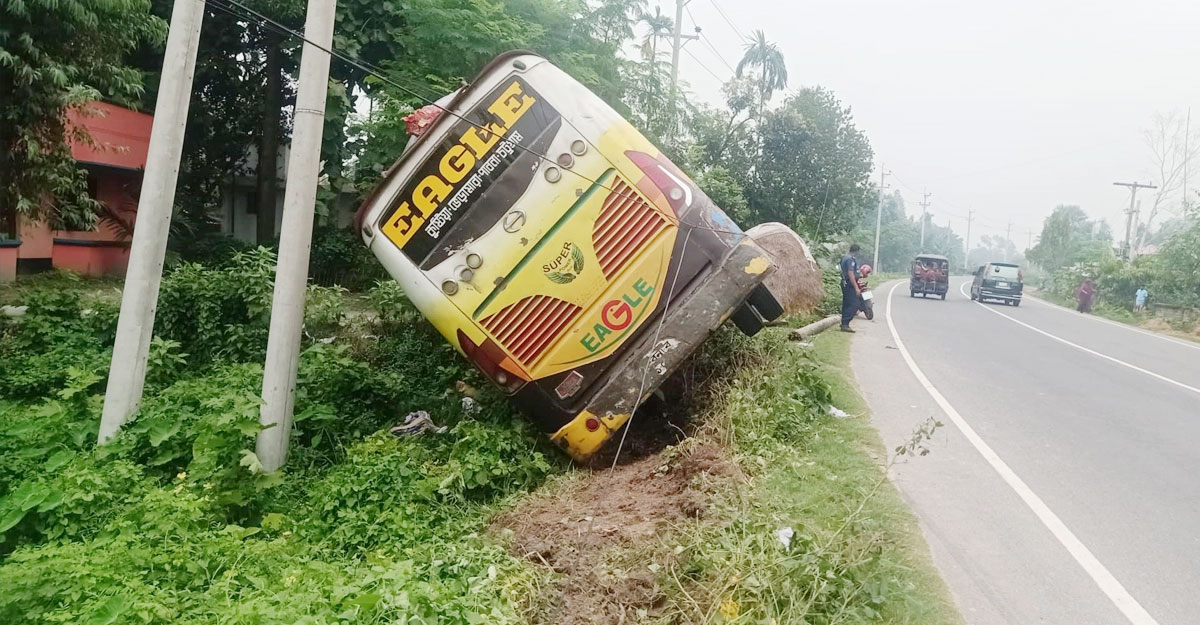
175 523
767 456
1179 329
856 554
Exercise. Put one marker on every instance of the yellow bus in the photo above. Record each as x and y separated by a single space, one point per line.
560 251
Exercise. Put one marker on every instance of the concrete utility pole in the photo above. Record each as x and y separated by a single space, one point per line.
295 238
924 218
967 257
883 172
127 374
1187 131
677 41
1133 189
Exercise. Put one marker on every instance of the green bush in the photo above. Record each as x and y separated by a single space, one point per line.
339 258
57 333
209 249
174 521
224 312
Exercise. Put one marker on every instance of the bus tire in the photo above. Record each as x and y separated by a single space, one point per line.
746 320
765 303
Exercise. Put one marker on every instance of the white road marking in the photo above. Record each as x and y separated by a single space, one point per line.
1108 584
1110 322
1090 351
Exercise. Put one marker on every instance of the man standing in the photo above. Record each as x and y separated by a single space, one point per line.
1085 293
1139 299
850 292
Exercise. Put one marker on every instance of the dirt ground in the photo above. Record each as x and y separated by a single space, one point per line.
600 532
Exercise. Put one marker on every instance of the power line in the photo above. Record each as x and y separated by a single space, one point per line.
736 31
701 64
266 22
706 41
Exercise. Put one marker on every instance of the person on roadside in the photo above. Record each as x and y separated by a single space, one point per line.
1139 299
1086 292
850 291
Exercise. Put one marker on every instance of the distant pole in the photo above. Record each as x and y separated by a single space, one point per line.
878 216
677 41
1187 131
924 218
1028 240
967 257
127 374
1126 252
295 238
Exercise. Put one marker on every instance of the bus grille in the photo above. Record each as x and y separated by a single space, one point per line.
526 328
625 223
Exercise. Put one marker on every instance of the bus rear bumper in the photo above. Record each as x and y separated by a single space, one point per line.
685 324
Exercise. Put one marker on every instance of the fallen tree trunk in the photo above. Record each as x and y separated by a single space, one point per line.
814 328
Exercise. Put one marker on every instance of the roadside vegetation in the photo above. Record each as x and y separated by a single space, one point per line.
174 522
1074 249
853 552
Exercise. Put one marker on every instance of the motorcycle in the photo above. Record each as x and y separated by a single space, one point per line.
866 299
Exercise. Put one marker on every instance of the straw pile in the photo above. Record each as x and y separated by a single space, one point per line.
796 282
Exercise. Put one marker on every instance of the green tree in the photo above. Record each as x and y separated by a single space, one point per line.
1069 237
765 60
815 169
992 248
658 26
1178 278
56 55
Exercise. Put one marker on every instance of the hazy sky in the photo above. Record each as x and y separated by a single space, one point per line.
1006 108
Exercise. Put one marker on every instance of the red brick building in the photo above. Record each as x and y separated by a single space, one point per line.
114 165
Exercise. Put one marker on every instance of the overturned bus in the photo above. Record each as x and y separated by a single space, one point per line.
556 248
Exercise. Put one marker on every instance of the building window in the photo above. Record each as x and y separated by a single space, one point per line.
252 202
93 185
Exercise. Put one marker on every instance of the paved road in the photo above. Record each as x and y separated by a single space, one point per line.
1065 485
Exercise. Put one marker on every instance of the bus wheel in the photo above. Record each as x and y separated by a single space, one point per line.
765 303
746 320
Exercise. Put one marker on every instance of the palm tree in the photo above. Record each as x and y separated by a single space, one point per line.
768 60
660 26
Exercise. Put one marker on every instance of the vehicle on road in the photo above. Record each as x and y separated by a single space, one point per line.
866 299
930 276
998 281
558 249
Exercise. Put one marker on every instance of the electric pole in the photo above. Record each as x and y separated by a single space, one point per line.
1133 189
1187 130
677 41
879 216
1028 240
295 237
127 374
924 218
967 258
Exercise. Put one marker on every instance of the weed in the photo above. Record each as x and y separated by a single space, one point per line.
850 556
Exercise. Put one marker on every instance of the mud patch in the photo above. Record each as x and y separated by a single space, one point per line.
600 532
